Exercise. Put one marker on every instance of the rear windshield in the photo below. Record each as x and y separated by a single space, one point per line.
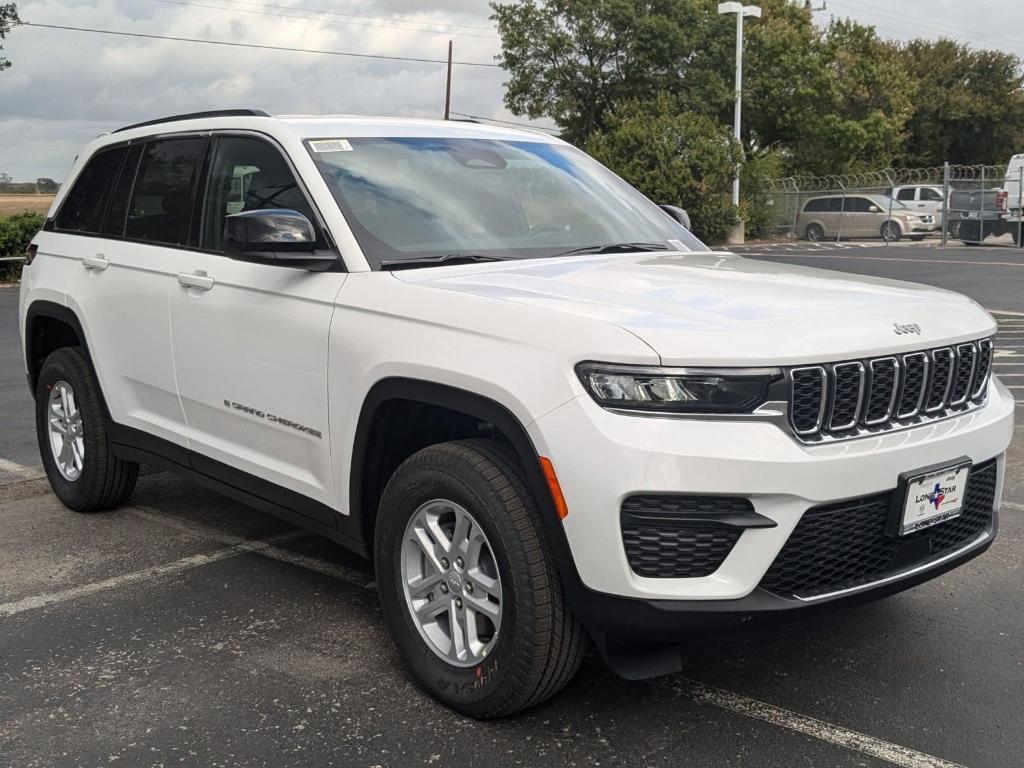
413 198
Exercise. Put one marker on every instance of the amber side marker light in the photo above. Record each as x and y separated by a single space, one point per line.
554 487
30 253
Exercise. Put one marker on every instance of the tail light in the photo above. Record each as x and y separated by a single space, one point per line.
30 253
1001 198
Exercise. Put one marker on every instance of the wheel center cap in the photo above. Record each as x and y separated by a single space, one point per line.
455 581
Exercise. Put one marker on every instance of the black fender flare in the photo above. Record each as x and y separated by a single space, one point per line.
50 309
479 407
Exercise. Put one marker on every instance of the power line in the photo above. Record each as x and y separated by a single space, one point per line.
389 19
894 17
258 46
392 23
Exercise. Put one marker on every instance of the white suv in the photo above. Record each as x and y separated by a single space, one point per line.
542 407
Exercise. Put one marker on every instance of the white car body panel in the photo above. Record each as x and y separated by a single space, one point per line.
309 347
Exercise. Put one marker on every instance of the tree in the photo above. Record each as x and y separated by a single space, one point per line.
5 179
577 60
46 186
674 157
8 21
970 104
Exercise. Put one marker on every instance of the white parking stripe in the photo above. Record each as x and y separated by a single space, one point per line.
184 564
810 726
1014 505
310 563
17 470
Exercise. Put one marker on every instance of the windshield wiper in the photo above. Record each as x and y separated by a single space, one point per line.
614 248
433 261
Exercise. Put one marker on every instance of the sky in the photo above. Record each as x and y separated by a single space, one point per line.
66 87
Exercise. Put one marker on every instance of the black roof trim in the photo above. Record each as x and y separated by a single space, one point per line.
199 116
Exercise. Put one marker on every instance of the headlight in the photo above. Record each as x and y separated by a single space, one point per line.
678 390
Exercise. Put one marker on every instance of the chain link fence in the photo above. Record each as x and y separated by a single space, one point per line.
972 204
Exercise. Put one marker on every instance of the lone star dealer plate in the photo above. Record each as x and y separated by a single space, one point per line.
930 496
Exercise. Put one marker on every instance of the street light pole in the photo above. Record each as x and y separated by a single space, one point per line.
742 11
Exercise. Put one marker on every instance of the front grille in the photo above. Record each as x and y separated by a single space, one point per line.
845 545
858 397
675 537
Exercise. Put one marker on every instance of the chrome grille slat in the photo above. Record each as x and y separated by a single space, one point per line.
854 398
915 377
941 379
983 370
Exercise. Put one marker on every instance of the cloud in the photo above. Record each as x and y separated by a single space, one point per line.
66 87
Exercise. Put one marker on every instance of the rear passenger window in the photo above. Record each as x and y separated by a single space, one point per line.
161 203
905 194
835 205
930 194
816 206
247 174
86 204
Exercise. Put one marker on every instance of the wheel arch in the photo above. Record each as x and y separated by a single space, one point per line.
48 327
388 400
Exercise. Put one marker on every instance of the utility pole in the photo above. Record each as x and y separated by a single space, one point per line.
742 11
448 84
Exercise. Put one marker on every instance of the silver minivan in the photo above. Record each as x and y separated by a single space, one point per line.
832 217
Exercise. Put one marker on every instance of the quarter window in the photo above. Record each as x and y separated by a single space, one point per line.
86 204
247 174
161 204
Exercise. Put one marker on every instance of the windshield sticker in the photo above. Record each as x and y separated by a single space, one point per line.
331 145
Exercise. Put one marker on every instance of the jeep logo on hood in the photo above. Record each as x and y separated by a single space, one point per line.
901 328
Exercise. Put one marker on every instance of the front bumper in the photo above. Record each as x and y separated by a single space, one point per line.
602 458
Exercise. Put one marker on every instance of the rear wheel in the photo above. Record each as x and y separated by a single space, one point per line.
891 232
467 585
970 232
814 233
73 441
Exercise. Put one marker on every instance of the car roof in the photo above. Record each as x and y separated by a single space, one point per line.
324 126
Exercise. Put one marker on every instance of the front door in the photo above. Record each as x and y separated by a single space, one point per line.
250 340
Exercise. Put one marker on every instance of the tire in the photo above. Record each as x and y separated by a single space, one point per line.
891 232
814 233
540 644
91 479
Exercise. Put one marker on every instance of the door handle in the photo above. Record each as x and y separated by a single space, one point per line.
198 279
98 262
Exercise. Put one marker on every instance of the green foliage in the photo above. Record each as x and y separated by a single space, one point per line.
756 194
8 21
969 106
15 234
674 157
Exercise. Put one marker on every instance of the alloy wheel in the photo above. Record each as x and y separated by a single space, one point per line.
67 437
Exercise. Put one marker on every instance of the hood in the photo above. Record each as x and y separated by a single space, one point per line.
712 308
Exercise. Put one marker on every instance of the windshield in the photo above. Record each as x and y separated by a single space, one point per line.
436 198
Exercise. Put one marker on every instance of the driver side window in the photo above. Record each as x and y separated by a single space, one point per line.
247 174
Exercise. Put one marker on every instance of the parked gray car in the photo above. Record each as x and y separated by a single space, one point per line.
832 217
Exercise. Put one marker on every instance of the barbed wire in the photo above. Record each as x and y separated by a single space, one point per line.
887 177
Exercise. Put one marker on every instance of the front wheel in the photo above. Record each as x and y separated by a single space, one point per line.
467 585
73 441
891 232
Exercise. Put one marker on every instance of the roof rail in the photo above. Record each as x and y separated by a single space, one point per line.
199 116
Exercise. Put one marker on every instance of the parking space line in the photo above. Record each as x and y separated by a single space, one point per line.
19 471
1013 505
248 546
810 726
309 562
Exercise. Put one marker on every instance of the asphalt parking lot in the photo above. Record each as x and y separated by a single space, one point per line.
187 629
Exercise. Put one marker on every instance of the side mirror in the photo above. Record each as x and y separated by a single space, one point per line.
875 209
274 236
678 214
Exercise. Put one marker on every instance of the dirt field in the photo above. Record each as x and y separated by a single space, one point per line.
19 203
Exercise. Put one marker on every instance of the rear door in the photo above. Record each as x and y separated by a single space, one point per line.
250 340
121 289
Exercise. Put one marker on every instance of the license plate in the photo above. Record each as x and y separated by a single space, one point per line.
932 496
